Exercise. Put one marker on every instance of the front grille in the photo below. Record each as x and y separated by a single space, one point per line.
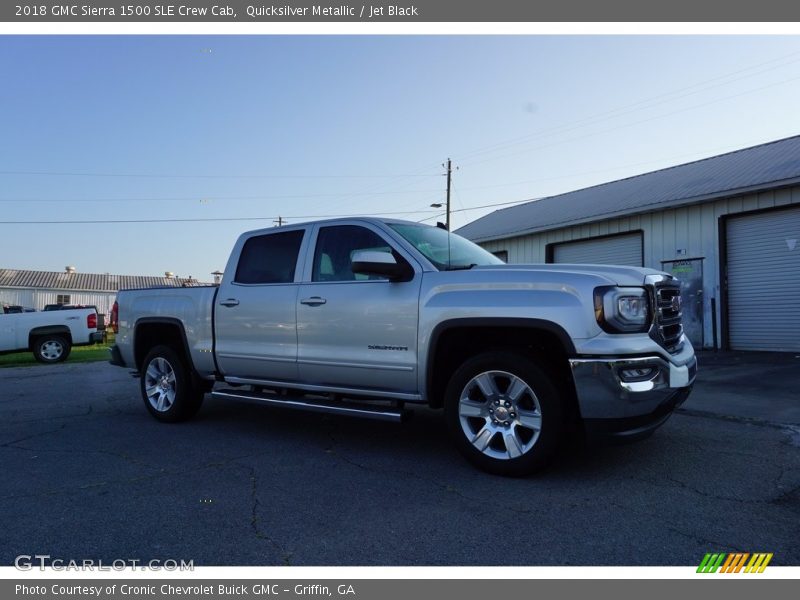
667 328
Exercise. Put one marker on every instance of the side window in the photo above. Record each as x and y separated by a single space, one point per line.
335 248
270 258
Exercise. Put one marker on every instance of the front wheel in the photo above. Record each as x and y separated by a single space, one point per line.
504 413
167 388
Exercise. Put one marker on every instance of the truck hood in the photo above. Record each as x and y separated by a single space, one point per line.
618 274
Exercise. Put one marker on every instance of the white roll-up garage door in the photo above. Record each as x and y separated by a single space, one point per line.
763 252
613 250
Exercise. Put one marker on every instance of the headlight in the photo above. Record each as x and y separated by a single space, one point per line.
622 309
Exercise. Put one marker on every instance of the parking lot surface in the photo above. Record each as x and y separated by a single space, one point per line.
87 473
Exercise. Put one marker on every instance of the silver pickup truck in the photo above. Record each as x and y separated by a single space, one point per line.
362 316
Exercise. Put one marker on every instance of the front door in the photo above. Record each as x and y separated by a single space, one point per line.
690 273
356 330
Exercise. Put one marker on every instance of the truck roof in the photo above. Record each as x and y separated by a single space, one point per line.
372 220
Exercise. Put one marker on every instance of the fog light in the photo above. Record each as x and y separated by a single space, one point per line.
640 374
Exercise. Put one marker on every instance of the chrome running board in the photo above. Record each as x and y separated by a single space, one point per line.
339 407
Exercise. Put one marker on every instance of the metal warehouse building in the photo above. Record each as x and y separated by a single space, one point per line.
727 226
36 289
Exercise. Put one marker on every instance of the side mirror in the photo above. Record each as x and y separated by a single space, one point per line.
382 264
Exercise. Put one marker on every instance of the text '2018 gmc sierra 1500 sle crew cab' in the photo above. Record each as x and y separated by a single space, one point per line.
363 316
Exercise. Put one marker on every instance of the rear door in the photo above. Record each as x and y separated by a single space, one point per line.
356 331
255 312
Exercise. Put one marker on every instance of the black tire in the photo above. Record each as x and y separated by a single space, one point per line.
490 423
173 394
50 349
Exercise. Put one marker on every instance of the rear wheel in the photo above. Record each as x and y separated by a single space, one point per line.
51 349
504 413
168 391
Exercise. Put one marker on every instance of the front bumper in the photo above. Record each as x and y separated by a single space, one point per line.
615 404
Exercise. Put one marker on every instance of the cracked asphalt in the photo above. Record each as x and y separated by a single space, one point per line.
87 473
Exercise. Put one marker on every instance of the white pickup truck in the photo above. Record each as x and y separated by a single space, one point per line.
49 335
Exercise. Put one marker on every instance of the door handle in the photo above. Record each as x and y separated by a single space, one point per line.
313 301
230 302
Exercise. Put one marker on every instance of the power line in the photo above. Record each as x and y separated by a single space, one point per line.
199 220
425 200
639 122
429 218
200 198
272 218
432 193
495 204
396 181
633 107
204 176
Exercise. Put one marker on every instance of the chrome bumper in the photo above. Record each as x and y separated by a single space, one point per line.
607 388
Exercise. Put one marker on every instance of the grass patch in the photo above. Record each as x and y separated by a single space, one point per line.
79 354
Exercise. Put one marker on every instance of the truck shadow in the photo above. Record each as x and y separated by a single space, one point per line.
420 444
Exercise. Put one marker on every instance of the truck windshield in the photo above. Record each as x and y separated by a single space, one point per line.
447 251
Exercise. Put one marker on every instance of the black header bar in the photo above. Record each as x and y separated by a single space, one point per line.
419 11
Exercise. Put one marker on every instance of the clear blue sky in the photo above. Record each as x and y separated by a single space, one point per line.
205 127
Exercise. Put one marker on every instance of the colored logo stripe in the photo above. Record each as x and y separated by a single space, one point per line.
734 562
711 563
758 563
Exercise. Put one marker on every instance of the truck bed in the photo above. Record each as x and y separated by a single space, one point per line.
191 306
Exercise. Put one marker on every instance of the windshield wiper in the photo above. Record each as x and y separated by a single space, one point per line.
461 267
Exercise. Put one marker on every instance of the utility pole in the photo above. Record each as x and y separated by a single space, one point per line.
449 166
449 177
279 221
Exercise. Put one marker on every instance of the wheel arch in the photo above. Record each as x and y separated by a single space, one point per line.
454 341
37 332
149 332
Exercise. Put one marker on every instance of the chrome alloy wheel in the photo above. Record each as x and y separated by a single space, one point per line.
52 350
500 415
160 384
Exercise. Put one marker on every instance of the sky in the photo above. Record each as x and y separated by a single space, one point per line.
181 143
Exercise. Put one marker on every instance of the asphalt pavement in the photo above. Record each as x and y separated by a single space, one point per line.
87 473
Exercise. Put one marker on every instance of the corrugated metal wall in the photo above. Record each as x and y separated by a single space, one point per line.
39 298
692 230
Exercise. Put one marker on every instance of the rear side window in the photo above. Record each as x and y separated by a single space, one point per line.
270 258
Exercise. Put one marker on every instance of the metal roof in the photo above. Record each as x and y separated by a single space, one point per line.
87 282
766 166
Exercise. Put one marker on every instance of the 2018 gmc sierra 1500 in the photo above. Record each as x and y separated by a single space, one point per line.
362 316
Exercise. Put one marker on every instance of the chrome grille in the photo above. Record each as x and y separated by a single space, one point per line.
668 330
